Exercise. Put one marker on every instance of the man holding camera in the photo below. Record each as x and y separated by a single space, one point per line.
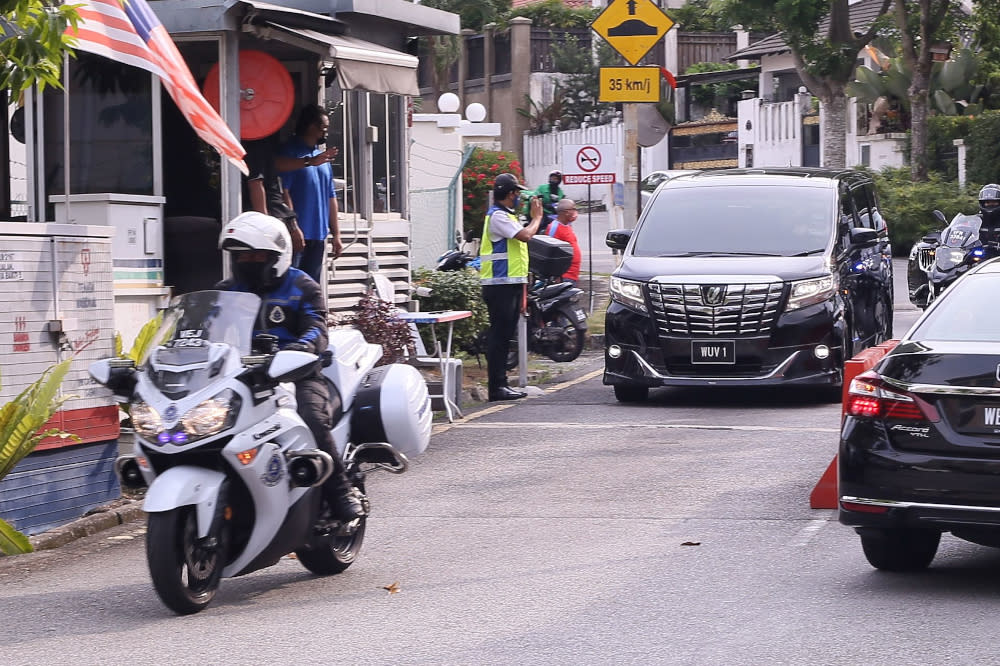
504 275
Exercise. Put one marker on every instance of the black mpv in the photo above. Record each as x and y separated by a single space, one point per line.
748 277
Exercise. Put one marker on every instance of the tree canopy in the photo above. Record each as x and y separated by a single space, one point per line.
32 42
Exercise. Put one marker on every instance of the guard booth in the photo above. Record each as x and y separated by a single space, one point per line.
113 152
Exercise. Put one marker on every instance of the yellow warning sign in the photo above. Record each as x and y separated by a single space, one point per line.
632 27
630 84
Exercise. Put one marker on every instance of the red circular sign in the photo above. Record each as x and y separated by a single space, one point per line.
588 159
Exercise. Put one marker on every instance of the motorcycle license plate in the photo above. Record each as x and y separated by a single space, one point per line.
716 352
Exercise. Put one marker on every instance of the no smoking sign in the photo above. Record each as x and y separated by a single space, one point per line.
589 164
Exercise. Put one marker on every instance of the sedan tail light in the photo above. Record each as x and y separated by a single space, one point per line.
870 396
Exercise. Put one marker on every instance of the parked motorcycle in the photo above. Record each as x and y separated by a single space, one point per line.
232 472
557 324
942 257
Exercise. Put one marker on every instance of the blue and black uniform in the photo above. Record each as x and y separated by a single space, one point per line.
294 312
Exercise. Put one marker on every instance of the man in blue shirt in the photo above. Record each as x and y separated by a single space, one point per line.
308 178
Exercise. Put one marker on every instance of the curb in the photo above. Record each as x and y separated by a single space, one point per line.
100 519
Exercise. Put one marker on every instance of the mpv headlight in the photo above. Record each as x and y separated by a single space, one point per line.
812 291
628 293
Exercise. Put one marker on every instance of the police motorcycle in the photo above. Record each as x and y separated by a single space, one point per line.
232 473
942 257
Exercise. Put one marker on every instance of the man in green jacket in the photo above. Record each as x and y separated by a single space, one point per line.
550 194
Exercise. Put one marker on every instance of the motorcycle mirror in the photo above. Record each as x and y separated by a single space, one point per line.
939 216
291 366
864 236
617 239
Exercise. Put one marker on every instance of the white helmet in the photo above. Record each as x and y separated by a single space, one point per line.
257 231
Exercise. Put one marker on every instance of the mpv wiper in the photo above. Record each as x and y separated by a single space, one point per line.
808 252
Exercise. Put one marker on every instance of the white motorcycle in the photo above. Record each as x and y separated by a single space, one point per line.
232 472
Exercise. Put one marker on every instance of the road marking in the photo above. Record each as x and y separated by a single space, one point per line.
810 531
548 425
493 409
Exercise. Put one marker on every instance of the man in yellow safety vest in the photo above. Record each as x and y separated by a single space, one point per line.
504 275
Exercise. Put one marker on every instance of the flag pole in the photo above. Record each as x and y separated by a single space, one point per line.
66 133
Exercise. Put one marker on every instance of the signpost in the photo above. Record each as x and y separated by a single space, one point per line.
631 27
586 164
630 84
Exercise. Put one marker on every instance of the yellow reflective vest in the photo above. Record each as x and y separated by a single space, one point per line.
503 262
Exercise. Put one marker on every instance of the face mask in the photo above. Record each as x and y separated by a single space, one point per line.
554 182
517 202
254 274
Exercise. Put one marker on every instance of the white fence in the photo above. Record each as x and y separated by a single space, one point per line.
774 129
543 154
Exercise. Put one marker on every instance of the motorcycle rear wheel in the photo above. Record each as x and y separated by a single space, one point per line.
333 553
185 573
570 344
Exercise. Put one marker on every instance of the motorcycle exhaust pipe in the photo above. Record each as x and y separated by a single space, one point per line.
129 475
309 468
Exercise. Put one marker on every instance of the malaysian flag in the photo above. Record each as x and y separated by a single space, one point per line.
129 32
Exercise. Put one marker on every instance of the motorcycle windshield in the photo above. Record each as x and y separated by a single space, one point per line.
193 325
963 231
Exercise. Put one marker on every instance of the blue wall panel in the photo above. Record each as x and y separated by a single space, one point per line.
51 488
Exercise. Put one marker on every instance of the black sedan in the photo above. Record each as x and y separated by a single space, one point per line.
920 442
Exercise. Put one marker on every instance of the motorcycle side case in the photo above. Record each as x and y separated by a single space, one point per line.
548 256
392 406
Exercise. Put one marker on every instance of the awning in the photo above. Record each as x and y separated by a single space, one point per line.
363 65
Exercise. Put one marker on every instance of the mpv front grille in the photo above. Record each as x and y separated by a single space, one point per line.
742 310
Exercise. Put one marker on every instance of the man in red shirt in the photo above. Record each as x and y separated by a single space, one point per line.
562 228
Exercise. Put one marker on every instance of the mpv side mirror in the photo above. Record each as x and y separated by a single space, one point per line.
939 216
864 237
618 238
930 239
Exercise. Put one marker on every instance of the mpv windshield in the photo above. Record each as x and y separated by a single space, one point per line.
738 220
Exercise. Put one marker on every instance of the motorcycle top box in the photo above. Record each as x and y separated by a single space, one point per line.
748 277
549 257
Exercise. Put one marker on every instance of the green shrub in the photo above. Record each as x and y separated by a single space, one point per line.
942 155
983 145
477 182
907 206
454 290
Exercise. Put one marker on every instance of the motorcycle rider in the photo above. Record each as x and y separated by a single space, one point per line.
503 276
550 194
292 308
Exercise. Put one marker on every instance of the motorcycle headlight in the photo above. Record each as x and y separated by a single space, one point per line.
145 420
949 258
211 416
812 291
628 293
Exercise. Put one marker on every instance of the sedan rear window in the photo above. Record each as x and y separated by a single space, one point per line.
967 312
738 220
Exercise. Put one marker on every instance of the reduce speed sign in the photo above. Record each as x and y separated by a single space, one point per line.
589 164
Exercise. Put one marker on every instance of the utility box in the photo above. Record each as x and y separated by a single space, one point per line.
57 303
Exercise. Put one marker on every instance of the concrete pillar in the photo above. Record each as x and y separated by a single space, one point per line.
742 41
960 144
520 70
670 51
489 48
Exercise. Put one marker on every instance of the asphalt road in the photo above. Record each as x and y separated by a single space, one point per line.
564 529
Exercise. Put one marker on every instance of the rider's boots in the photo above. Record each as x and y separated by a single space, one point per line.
344 501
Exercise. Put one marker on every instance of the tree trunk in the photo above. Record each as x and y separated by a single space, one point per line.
918 128
835 128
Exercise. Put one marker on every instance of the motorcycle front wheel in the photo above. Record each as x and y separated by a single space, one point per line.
569 343
185 570
332 553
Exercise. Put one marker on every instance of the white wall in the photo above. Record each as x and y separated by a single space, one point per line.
436 148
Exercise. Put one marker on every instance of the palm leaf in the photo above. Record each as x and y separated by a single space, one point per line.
145 339
13 542
21 418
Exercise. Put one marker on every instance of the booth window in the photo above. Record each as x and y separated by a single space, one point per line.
110 133
385 115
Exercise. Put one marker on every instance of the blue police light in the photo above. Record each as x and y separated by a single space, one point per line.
978 252
860 266
180 437
163 438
